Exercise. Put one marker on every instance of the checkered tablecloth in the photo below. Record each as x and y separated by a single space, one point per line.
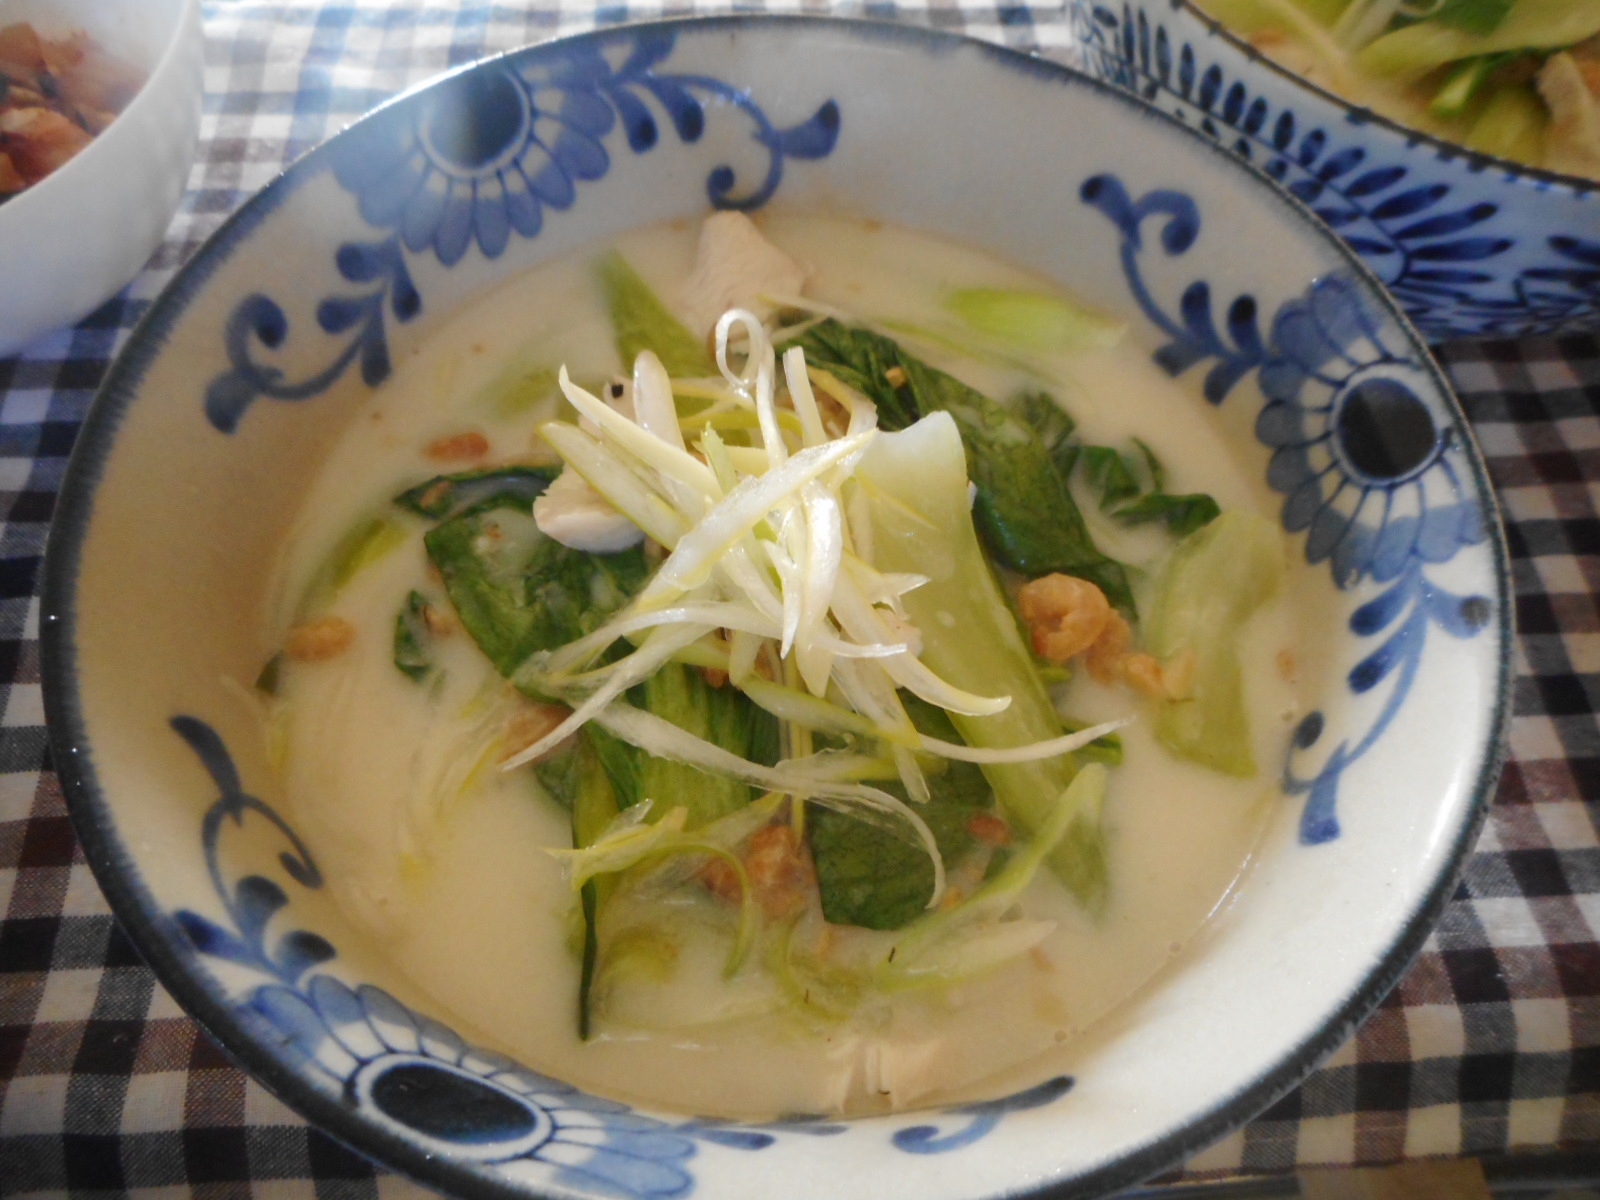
1490 1045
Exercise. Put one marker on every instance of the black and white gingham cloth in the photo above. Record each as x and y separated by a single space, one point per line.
1490 1045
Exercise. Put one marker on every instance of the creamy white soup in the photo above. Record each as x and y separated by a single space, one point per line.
779 935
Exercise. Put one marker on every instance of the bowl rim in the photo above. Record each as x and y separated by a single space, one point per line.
1477 162
186 20
205 1001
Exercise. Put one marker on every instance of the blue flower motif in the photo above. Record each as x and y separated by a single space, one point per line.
423 1082
1357 453
481 155
1365 465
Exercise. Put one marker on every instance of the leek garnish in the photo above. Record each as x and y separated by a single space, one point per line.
771 547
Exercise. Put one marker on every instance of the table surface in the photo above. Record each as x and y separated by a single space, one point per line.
1490 1045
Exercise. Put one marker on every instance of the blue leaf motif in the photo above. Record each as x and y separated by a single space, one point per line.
300 950
1409 203
985 1115
1311 147
1577 249
1380 612
1308 190
814 138
1342 163
1446 224
1461 617
637 122
1465 250
1380 179
1283 131
1255 116
1440 281
737 1139
210 938
253 901
1233 103
1376 667
256 899
1319 823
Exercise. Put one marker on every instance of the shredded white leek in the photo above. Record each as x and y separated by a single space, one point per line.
769 547
1032 752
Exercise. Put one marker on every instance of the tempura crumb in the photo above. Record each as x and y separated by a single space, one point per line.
469 446
1065 615
529 723
319 640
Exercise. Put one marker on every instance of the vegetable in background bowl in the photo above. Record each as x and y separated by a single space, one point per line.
1518 79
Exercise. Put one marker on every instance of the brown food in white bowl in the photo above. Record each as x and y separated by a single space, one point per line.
77 234
56 94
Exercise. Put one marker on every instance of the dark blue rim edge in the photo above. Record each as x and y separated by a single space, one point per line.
1347 110
201 994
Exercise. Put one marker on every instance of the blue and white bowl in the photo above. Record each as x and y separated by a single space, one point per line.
212 425
1471 246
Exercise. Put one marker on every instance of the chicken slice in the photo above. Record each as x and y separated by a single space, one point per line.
1573 143
576 515
734 267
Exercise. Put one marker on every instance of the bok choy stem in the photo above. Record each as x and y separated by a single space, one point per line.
915 482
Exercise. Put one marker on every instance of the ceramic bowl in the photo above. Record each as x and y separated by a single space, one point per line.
77 236
213 422
1471 246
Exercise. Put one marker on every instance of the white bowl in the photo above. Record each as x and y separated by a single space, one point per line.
1472 246
213 423
76 237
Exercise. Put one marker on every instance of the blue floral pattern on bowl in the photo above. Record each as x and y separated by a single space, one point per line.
475 159
1471 247
1364 464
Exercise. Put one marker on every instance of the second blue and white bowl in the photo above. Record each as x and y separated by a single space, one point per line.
1471 246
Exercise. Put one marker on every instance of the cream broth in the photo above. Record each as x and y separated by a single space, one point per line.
455 882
